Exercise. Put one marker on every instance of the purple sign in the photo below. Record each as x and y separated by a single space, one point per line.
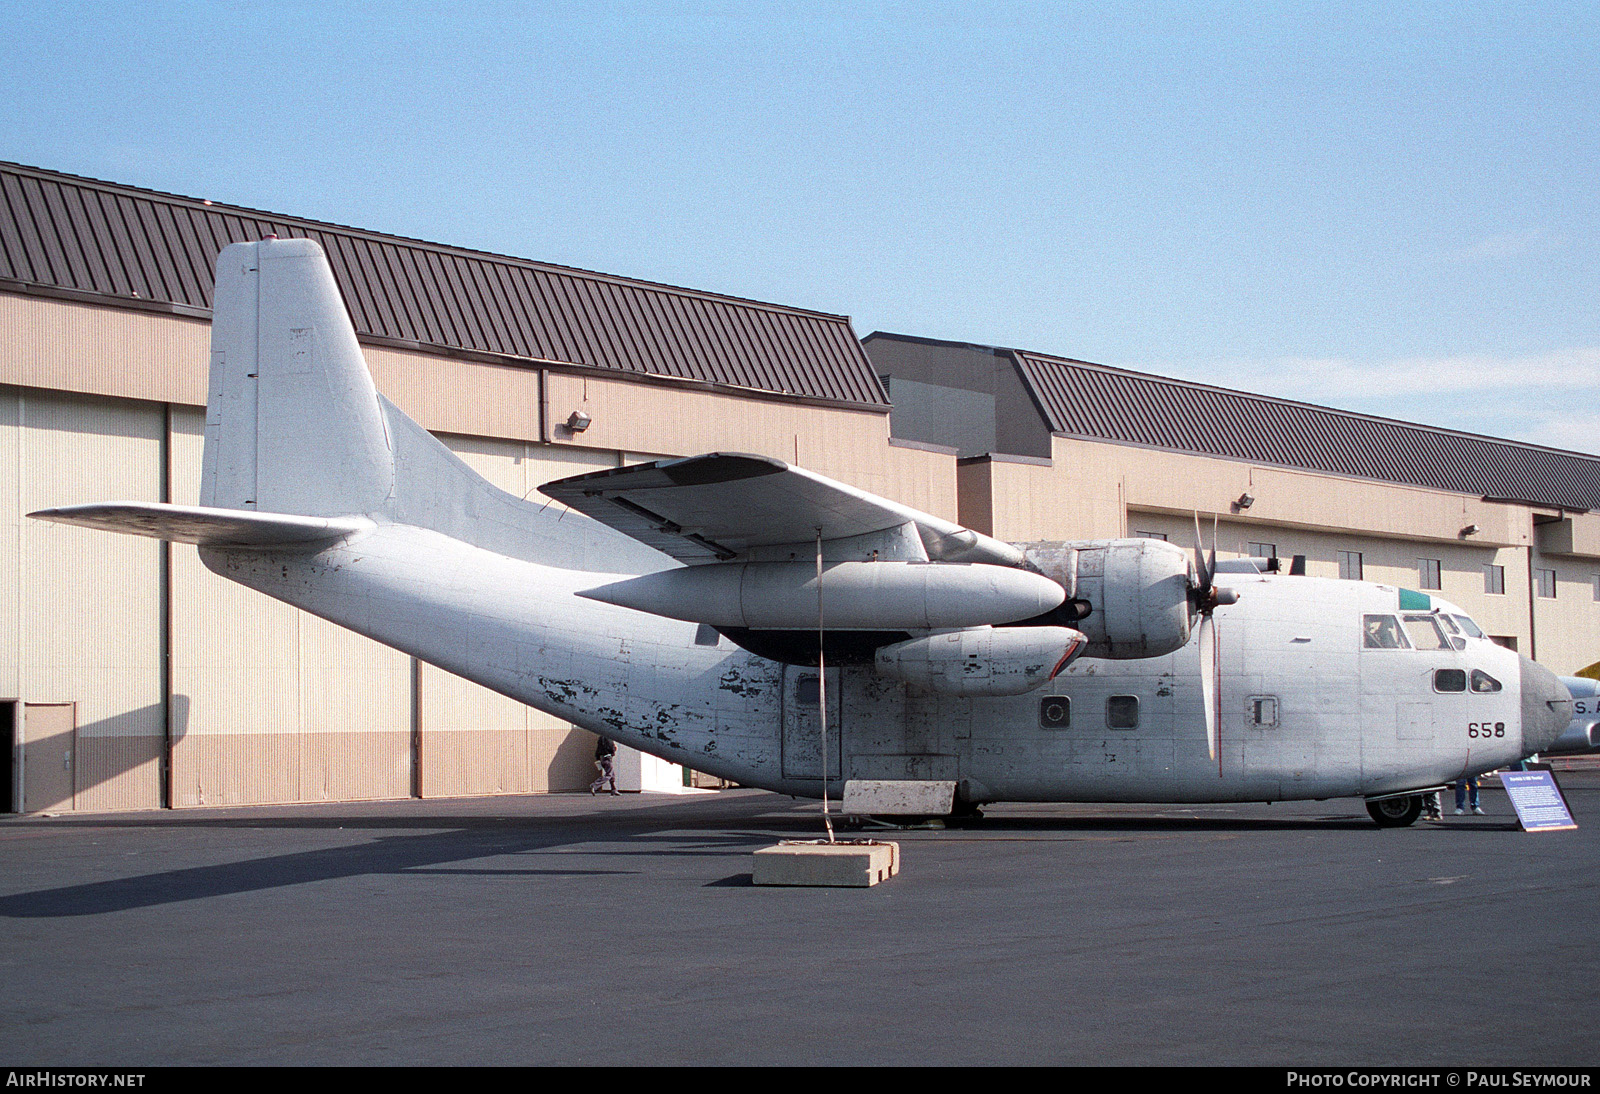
1538 801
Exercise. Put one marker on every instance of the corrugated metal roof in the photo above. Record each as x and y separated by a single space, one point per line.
121 244
1079 399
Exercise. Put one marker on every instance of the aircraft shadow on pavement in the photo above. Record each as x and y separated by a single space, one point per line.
425 855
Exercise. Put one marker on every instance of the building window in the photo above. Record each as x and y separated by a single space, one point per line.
1263 550
1594 581
1350 565
1494 581
1428 573
1544 583
1150 535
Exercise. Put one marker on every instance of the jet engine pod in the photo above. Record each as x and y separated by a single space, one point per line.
1137 590
878 596
982 660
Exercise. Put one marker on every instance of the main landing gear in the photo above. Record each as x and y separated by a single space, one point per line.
1396 812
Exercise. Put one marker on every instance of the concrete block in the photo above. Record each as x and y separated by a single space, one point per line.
858 864
898 798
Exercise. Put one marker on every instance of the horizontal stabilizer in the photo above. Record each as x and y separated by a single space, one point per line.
205 526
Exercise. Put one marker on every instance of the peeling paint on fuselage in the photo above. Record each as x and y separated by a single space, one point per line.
518 628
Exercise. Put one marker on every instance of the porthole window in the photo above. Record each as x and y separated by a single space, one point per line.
1483 683
807 691
1122 712
1450 680
1055 712
1263 710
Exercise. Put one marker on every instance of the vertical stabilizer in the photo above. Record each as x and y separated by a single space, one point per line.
293 423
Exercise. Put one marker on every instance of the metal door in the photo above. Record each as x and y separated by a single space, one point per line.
49 755
802 726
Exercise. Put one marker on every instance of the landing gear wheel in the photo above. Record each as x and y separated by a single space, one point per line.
1396 812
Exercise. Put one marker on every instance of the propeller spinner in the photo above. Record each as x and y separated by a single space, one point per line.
1204 598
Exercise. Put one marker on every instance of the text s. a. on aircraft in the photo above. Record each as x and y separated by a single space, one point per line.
682 619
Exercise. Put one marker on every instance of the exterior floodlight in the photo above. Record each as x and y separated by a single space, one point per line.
1470 530
578 421
1245 501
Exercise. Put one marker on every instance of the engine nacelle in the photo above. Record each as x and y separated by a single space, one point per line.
982 660
1136 592
876 596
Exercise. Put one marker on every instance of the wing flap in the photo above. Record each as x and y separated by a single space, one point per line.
721 506
206 526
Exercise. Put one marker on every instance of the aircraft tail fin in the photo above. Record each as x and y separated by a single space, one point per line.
293 422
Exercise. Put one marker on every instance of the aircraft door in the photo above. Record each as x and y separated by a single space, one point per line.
802 724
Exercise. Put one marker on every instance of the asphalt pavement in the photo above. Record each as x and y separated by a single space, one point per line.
576 930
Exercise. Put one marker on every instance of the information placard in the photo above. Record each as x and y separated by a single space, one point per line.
1538 801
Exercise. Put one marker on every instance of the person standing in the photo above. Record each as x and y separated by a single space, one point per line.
1463 786
605 752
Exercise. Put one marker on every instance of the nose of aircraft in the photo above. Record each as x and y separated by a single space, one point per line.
1546 707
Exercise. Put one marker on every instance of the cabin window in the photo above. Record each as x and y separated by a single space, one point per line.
1122 712
1381 632
1483 683
1055 712
706 635
1425 633
807 691
1350 565
1494 580
1450 680
1264 710
1428 573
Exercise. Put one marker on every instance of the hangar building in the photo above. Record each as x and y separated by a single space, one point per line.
132 678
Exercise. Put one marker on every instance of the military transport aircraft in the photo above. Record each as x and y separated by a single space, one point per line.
688 616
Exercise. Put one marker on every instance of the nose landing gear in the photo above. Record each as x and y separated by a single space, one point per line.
1396 812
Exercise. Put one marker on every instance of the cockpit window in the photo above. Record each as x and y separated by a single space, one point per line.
1483 683
1382 632
1450 680
1425 633
1468 625
1454 631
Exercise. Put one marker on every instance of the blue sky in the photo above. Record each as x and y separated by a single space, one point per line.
1385 207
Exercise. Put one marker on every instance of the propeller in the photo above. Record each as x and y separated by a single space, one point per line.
1204 598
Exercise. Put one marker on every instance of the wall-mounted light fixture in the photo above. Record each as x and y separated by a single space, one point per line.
1245 501
578 421
1470 530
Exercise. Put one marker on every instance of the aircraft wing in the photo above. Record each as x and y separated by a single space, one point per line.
721 506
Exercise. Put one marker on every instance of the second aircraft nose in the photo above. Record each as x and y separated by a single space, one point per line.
1546 707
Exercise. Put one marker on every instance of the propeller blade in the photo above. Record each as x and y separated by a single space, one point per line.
1208 680
1211 556
1202 569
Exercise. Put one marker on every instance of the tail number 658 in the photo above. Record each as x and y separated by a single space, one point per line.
1486 729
